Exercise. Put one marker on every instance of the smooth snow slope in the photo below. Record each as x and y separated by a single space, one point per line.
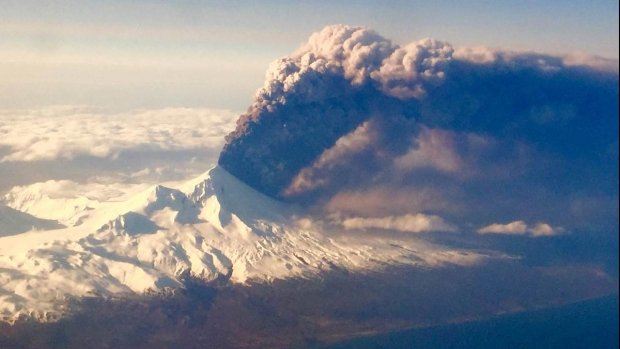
14 222
209 227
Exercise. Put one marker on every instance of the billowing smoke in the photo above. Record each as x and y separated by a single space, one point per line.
362 126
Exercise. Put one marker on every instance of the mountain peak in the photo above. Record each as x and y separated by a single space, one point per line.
209 227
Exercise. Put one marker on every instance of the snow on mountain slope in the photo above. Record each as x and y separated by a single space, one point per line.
15 222
66 201
211 227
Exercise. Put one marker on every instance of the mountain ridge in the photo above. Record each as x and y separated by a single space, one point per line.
206 228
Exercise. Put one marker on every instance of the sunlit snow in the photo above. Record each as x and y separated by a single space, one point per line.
212 226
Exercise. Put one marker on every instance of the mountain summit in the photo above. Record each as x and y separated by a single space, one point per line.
209 228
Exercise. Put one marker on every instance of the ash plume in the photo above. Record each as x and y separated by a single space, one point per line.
456 130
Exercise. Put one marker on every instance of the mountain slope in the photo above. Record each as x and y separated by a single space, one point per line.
14 222
211 227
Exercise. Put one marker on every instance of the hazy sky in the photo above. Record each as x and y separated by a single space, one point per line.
151 54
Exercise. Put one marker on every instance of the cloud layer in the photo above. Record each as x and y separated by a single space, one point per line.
94 145
469 133
67 132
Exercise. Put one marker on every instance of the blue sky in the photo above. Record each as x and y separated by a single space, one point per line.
149 54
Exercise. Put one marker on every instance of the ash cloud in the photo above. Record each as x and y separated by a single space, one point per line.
471 134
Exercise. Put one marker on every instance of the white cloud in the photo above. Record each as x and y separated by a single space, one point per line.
543 229
67 132
412 223
521 228
516 227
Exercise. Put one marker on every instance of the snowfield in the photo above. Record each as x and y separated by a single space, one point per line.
211 227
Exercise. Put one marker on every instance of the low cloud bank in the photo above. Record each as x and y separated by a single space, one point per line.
67 132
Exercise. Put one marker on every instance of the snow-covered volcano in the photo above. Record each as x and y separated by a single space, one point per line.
212 227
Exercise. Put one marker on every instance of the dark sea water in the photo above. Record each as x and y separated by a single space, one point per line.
589 324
